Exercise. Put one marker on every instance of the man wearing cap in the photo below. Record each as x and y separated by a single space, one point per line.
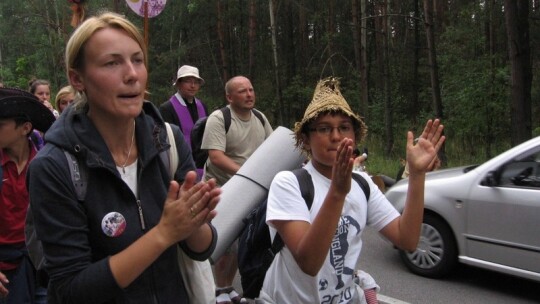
20 113
183 108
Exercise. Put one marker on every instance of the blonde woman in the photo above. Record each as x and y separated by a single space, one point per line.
64 98
117 245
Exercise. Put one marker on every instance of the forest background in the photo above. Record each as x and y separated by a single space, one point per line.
469 62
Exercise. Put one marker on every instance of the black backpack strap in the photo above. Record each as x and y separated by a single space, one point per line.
259 115
307 190
363 184
306 185
78 175
226 118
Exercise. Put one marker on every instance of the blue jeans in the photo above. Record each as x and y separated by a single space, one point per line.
22 286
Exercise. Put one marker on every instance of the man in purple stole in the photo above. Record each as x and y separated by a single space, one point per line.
183 108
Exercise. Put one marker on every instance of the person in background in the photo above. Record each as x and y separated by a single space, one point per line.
20 113
323 244
42 90
359 159
64 98
120 243
434 165
382 181
183 108
227 152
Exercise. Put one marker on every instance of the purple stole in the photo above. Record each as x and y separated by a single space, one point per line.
186 124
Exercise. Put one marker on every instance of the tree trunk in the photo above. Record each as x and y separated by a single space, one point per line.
434 70
517 27
331 30
357 38
302 29
364 86
221 38
276 64
387 81
251 37
416 63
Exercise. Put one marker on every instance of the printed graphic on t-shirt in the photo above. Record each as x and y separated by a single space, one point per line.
338 253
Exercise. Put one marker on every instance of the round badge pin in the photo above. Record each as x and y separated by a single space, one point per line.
113 224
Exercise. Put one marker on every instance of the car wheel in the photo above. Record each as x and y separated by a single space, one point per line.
436 253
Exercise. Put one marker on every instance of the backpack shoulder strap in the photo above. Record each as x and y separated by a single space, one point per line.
306 189
363 184
259 115
306 185
170 157
226 118
78 175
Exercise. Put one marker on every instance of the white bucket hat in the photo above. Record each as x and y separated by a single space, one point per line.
188 71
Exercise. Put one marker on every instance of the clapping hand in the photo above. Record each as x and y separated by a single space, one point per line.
188 207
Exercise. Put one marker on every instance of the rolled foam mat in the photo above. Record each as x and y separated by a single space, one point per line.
249 186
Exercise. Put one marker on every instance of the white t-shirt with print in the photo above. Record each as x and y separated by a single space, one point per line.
285 282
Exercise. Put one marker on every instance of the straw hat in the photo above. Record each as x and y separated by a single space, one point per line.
19 103
327 98
188 71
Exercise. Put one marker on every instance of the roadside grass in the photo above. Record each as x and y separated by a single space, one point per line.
457 154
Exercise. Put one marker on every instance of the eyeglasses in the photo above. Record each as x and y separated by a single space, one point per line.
191 81
327 130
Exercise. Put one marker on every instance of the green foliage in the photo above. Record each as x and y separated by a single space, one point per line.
474 83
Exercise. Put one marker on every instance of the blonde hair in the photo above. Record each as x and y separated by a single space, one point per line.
62 93
77 42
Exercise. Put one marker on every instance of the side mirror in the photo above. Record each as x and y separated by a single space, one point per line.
490 180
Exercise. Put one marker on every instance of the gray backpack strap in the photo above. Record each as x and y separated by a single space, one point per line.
170 157
78 175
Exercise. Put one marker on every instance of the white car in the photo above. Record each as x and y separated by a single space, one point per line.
486 216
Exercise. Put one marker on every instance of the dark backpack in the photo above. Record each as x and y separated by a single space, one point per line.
256 251
201 155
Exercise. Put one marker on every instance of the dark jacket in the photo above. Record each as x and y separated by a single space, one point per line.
75 246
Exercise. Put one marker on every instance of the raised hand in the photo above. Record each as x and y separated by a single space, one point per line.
422 152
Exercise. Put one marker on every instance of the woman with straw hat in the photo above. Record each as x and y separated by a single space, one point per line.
322 245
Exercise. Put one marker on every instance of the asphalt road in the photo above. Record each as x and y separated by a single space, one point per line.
466 285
